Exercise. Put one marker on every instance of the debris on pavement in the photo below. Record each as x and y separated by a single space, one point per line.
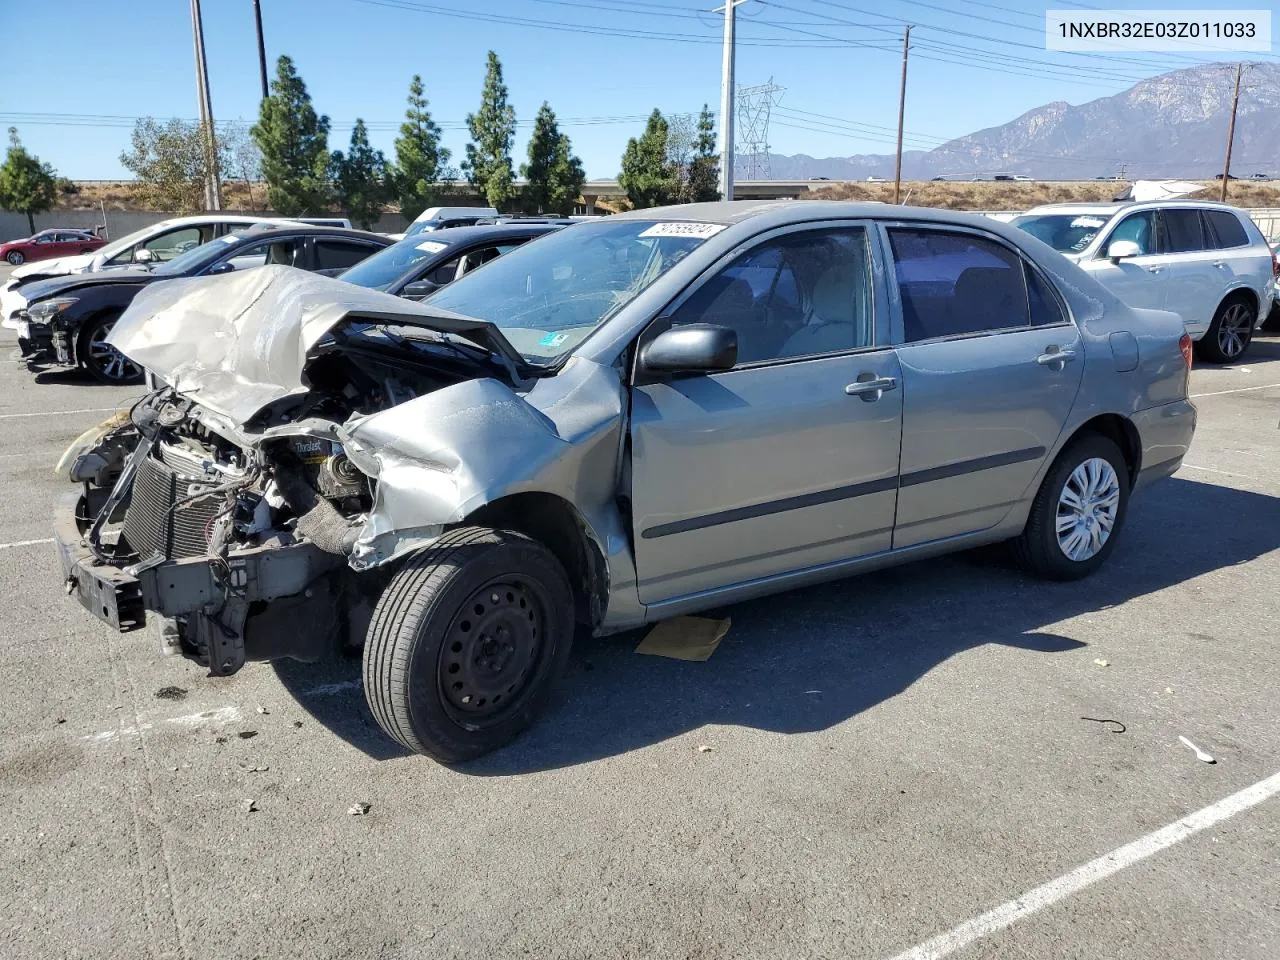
1102 663
263 710
297 724
1121 727
704 748
170 693
358 809
250 806
684 638
247 734
1200 754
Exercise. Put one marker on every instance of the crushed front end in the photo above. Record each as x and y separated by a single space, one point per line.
241 544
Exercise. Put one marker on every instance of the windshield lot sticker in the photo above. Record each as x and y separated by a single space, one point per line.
553 339
698 231
431 246
1087 222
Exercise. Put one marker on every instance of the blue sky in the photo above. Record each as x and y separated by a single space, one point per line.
975 63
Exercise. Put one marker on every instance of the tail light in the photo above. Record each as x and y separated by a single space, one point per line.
1184 344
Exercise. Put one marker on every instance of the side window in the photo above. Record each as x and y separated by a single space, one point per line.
957 283
287 252
1182 230
1138 227
177 242
800 295
1224 230
446 273
225 228
1046 308
340 254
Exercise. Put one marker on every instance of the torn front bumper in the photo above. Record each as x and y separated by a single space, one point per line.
213 596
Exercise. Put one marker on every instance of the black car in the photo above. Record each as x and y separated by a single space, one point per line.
67 319
417 266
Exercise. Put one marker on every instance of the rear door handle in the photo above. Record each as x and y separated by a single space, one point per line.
870 387
1054 357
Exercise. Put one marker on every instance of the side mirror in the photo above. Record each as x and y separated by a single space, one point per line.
226 266
696 348
1121 249
419 289
143 255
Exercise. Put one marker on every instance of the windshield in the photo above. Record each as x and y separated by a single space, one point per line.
197 258
387 266
547 296
1065 232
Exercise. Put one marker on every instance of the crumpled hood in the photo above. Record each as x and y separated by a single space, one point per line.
60 285
238 342
54 267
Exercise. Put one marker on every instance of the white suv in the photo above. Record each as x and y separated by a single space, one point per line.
1207 262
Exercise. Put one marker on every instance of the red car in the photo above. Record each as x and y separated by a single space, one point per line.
50 243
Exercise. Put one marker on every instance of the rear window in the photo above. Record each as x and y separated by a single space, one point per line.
1225 230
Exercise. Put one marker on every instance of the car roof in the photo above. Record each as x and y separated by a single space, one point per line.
485 231
270 227
1117 206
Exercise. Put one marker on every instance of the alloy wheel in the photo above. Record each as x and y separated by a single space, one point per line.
1087 509
1234 330
106 359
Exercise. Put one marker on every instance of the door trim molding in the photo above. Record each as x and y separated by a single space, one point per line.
946 471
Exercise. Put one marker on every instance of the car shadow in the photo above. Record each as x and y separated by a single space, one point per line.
69 375
809 659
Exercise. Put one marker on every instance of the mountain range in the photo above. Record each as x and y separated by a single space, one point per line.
1171 125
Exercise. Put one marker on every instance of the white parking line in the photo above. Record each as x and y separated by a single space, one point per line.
1225 473
1219 393
218 717
57 413
1083 876
24 543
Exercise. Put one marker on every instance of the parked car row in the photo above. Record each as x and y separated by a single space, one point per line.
602 426
48 244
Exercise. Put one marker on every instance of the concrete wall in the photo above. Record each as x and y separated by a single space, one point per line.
121 222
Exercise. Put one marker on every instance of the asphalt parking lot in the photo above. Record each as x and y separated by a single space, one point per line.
898 764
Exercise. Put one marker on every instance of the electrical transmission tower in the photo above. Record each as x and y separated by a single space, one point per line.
754 107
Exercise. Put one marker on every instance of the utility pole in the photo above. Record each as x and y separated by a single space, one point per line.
902 107
213 190
1231 133
726 103
262 48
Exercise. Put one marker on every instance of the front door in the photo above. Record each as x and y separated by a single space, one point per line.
991 364
1141 281
789 460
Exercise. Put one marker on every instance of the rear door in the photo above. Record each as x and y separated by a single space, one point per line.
1197 281
1141 281
333 255
789 460
991 364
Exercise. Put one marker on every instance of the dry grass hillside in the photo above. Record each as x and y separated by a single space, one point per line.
1021 196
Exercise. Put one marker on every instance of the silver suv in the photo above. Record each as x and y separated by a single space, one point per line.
1207 262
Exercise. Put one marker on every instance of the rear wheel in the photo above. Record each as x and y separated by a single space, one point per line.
15 257
467 642
1230 333
103 361
1078 511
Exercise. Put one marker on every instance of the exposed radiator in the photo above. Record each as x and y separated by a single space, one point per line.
152 526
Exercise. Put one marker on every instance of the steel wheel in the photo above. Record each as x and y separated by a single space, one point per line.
15 258
1234 330
103 360
1088 506
491 649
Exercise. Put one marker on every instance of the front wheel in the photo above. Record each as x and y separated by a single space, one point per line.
1230 333
104 362
1078 511
467 642
15 258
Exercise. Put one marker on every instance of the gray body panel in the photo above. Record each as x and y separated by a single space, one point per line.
707 489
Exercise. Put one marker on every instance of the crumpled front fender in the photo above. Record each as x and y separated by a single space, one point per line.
440 457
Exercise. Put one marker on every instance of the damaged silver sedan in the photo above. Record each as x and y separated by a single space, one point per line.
634 418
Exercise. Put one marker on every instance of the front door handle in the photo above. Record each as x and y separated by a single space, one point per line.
870 387
1053 357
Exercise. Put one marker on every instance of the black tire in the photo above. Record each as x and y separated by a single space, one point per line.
1230 333
111 367
423 659
1272 323
1038 549
15 258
